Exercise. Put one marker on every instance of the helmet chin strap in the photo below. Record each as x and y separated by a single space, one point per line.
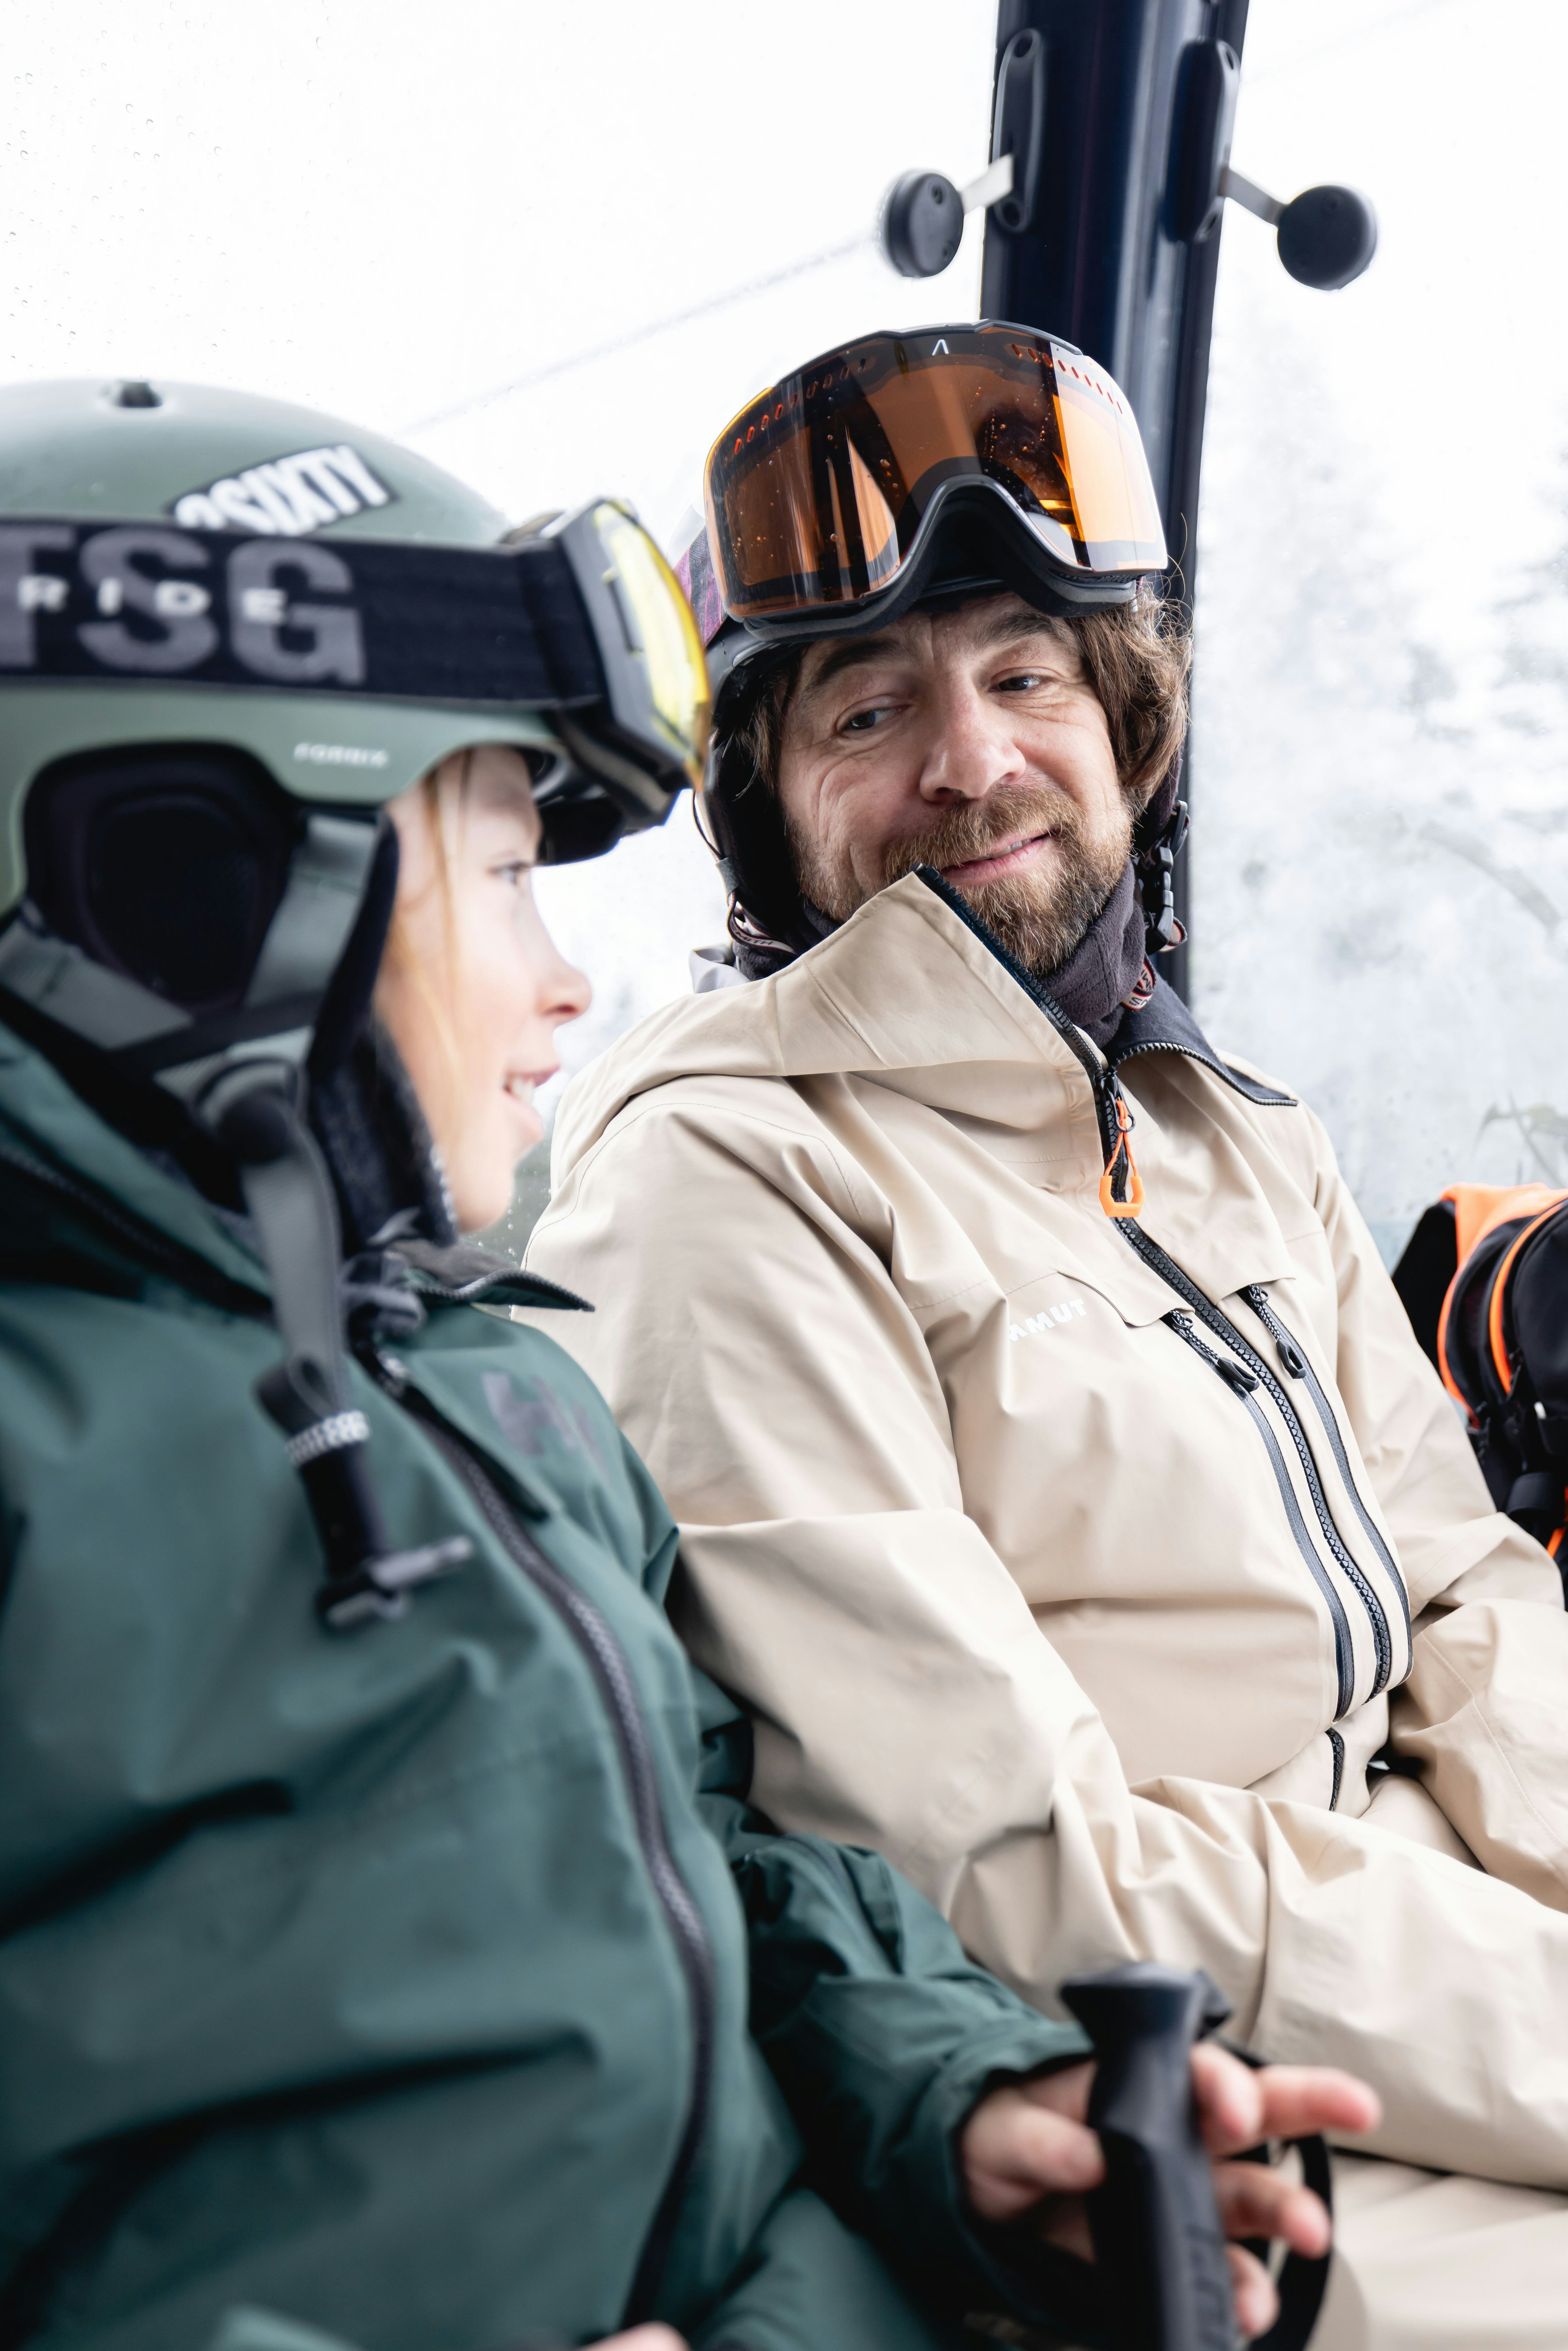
1158 839
241 1077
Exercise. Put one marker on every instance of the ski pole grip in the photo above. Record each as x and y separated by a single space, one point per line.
1158 2245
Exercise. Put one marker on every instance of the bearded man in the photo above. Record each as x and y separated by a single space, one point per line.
1062 1491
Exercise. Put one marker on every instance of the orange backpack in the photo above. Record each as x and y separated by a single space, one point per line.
1484 1283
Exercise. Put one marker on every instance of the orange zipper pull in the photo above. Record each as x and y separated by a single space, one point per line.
1135 1199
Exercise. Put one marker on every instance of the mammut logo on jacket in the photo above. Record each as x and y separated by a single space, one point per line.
1046 1320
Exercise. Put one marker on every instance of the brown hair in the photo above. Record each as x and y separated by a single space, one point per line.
1136 657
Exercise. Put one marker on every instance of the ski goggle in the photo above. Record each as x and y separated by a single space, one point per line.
583 621
823 492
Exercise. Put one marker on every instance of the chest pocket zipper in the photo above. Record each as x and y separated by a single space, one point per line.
1207 1313
1294 1360
1244 1383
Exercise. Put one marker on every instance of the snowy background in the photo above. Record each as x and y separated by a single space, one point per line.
557 257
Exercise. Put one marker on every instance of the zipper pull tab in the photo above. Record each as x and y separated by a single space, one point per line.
1290 1354
1124 1151
1235 1375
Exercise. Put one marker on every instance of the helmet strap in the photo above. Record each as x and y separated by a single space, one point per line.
1158 880
240 1077
288 1193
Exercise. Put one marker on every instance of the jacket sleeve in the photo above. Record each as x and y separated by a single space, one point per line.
902 1693
1482 1713
883 2037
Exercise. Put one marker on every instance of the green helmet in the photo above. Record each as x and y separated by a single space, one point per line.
218 461
230 632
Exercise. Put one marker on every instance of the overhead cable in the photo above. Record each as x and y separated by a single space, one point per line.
641 334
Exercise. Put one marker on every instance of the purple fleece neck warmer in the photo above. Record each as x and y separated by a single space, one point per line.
1105 965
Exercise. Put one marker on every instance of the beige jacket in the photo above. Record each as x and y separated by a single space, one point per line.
1023 1582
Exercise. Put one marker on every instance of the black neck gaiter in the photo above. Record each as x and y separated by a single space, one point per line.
1092 985
1108 968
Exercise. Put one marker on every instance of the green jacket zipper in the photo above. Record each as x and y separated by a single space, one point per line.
607 1661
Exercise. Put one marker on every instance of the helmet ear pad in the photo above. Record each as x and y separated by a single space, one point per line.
164 866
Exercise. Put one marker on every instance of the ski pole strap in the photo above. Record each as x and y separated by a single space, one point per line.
1303 2281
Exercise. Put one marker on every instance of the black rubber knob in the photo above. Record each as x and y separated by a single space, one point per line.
1327 238
922 223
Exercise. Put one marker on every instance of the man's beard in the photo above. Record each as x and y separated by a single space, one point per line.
1040 912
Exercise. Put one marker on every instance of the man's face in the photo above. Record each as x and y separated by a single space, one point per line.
971 741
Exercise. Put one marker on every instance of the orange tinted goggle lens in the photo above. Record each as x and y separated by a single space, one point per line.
816 490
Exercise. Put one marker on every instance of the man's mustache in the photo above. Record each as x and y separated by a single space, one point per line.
978 828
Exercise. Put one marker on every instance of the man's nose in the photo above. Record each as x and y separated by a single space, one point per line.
970 748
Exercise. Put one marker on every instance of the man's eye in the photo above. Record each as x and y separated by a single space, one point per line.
860 722
1023 681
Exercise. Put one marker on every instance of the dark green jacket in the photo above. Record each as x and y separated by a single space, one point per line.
390 1981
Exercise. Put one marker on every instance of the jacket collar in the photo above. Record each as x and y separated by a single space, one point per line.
1165 1025
43 1122
49 1133
913 991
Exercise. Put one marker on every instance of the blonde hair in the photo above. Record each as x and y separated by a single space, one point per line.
443 793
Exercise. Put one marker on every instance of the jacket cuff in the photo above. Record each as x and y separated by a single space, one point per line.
976 2265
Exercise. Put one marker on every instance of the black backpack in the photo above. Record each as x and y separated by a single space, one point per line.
1484 1283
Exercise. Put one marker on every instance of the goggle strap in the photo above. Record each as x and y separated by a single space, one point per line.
147 603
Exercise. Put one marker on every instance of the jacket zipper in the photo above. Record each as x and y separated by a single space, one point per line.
1337 1745
1242 1383
607 1661
1107 1093
1295 1361
1219 1322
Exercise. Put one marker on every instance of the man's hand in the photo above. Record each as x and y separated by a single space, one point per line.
1029 2144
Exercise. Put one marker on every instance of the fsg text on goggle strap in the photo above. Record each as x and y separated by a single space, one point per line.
147 601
